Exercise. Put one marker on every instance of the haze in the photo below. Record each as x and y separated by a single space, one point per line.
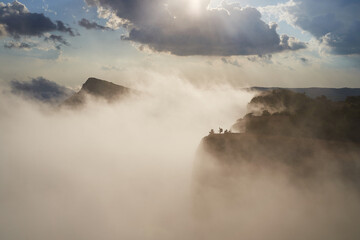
162 119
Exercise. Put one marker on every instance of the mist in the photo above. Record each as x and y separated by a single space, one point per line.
128 170
107 171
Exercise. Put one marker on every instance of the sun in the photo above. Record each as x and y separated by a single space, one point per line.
194 6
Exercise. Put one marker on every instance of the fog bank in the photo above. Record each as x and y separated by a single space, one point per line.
118 171
126 171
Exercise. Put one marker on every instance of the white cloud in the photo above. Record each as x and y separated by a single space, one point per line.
335 23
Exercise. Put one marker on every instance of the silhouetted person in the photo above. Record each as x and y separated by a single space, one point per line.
211 132
220 130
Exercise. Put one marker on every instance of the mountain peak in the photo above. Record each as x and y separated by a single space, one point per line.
100 89
93 80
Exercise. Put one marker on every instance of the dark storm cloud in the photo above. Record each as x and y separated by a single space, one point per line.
175 27
16 21
336 23
41 89
91 25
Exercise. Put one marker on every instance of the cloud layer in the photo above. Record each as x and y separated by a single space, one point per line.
41 89
190 28
91 25
16 21
19 45
336 23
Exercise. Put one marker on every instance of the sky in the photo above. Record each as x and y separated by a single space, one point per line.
242 43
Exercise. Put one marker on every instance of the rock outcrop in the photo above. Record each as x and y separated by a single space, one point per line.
99 89
290 133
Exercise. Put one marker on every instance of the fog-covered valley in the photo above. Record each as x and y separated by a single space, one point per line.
137 169
106 171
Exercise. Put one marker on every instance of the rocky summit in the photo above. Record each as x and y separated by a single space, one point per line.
98 89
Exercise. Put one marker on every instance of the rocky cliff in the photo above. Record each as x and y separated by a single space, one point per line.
99 89
291 133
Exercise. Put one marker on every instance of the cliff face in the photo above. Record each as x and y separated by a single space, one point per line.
301 158
299 183
98 88
290 133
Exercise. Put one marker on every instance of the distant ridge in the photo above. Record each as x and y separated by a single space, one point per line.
334 94
100 89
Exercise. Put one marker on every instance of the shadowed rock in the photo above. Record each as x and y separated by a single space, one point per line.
285 113
301 158
285 132
99 89
334 94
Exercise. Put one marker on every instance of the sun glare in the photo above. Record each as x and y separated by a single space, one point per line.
194 6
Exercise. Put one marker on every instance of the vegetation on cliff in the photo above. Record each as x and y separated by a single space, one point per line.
286 113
